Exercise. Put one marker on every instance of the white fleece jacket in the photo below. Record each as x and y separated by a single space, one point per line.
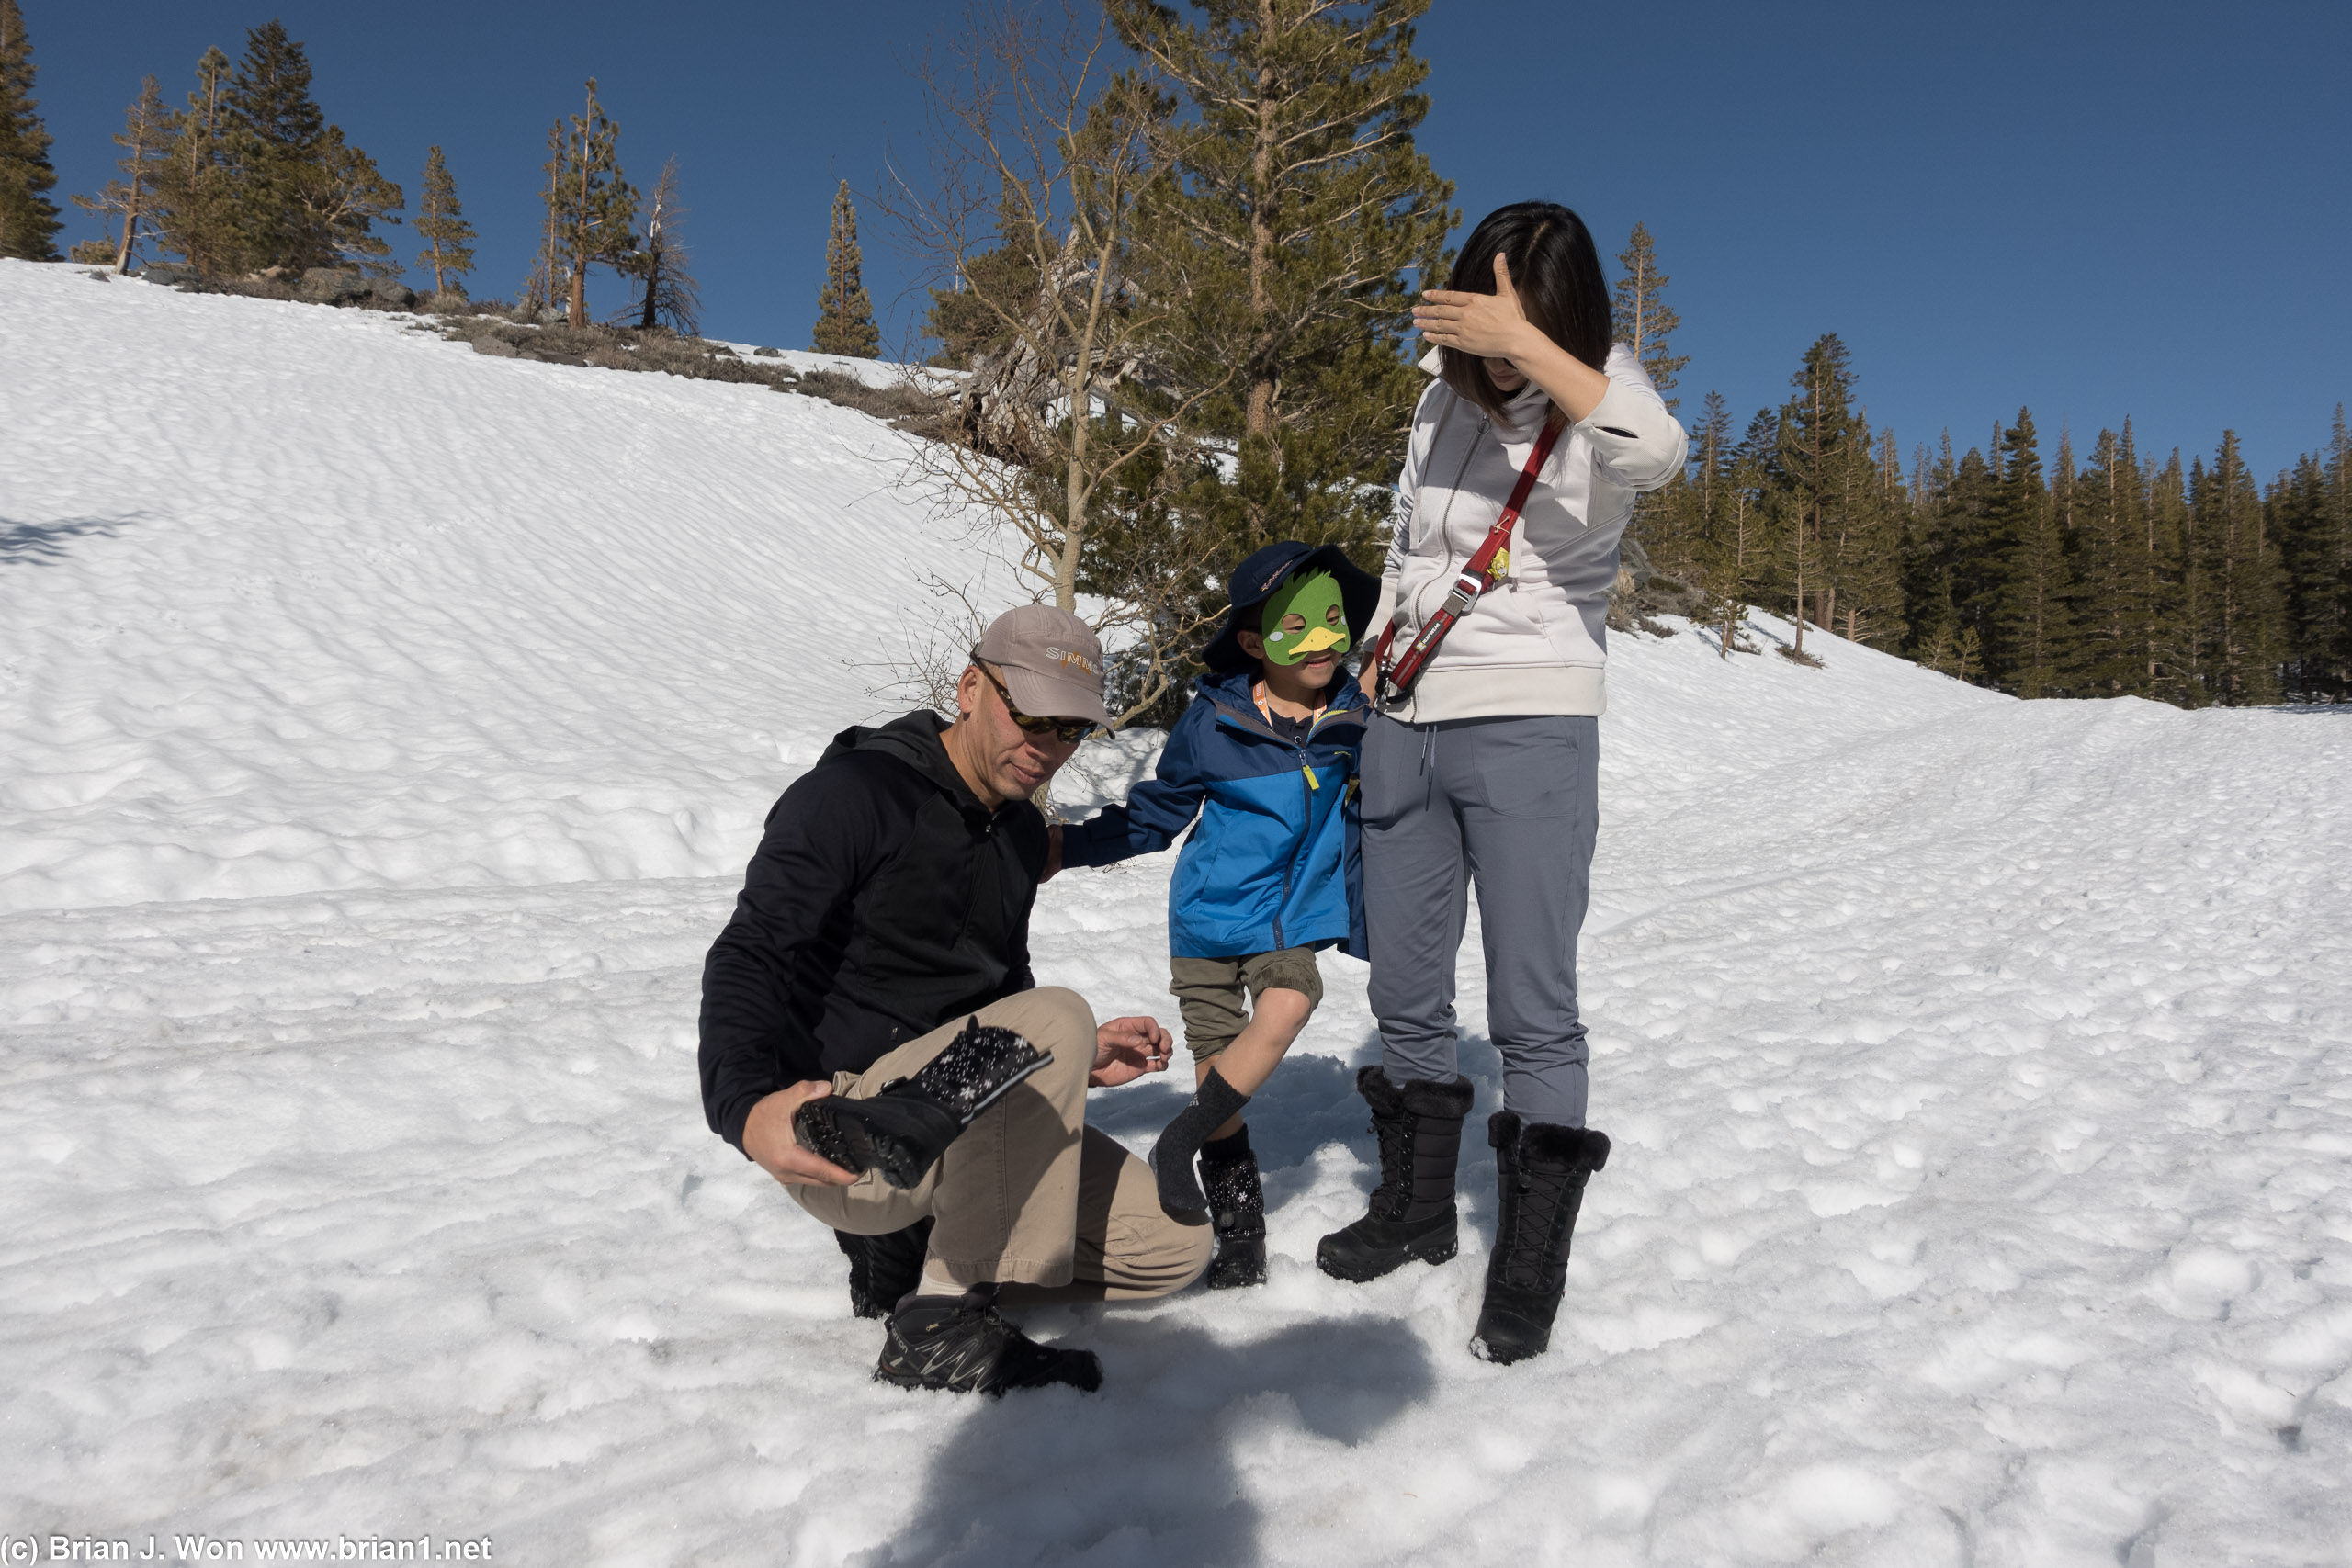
1535 642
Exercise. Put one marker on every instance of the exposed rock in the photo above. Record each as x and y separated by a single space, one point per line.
392 294
497 347
166 273
334 286
1642 592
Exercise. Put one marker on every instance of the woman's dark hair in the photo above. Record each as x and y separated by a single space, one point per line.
1556 273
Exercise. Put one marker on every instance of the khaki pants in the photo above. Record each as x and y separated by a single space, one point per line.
1029 1194
1208 992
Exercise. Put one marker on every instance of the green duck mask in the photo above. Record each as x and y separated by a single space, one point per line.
1315 599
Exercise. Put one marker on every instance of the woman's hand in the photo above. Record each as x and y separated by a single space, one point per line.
1491 326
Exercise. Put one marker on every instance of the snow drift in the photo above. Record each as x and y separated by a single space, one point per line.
382 728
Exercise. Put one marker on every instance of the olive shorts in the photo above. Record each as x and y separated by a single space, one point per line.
1208 991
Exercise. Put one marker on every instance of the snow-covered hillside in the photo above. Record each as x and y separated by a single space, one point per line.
382 728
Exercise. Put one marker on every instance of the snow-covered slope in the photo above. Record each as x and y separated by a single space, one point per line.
305 599
381 728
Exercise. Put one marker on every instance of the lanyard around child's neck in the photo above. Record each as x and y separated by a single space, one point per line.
1266 708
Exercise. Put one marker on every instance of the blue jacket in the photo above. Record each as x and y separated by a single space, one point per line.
1273 863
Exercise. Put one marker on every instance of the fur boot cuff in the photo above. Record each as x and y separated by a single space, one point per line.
1542 1143
1447 1099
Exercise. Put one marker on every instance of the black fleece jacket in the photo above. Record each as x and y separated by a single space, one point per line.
883 901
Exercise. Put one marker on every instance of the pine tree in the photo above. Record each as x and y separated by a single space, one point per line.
258 179
1814 462
2177 654
672 295
1301 217
275 132
1868 564
441 224
591 206
2295 514
1956 573
340 196
145 138
844 315
1644 320
2033 641
1713 541
2112 608
203 216
2244 604
543 284
28 220
2328 630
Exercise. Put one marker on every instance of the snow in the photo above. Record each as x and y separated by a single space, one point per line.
383 726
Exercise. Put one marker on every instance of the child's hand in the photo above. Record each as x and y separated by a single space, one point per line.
1053 853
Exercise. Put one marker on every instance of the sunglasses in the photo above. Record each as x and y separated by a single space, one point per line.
1068 731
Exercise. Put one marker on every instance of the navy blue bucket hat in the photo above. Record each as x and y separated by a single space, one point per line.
1254 582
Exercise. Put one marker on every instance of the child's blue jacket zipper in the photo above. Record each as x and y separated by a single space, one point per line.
1272 863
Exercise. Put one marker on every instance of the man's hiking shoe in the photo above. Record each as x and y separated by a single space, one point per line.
903 1128
884 1268
959 1343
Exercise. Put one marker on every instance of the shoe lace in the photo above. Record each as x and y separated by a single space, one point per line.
1537 1248
1394 1192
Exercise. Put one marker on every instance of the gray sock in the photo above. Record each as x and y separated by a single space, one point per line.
1214 1103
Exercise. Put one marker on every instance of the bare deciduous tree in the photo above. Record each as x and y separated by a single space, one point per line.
1043 156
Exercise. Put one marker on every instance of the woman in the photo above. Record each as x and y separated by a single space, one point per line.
1486 771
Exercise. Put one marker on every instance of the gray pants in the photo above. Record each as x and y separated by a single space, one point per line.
1509 804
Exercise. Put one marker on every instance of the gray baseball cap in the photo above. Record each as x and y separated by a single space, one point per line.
1052 662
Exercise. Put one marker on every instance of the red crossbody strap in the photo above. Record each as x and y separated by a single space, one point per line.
1498 536
1476 579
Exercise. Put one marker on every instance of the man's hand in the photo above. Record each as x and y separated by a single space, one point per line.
769 1139
1126 1049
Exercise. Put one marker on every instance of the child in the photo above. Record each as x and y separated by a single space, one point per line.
1266 756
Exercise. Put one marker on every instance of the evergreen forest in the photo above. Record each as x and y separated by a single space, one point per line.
1202 229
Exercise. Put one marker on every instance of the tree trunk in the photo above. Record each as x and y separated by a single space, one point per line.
1258 417
580 234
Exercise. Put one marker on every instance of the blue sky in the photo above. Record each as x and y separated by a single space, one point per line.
2094 211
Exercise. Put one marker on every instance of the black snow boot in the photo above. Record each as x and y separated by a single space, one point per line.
903 1128
1411 1215
1238 1211
959 1343
884 1268
1541 1170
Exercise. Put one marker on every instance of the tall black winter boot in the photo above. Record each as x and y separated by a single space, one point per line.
1238 1210
1418 1125
1541 1170
884 1268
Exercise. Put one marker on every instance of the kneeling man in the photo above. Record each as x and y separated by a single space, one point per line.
889 904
